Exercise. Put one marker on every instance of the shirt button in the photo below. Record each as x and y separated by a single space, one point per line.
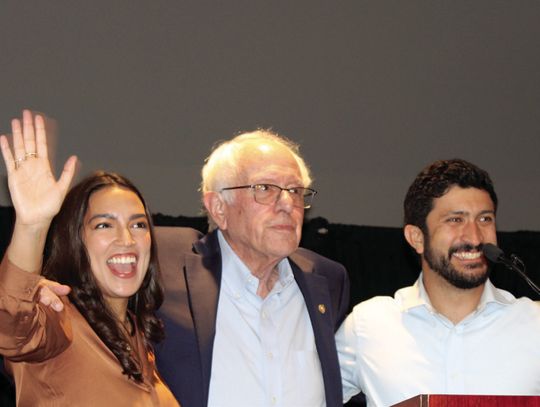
263 315
270 355
274 400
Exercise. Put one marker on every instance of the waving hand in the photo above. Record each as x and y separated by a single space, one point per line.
35 193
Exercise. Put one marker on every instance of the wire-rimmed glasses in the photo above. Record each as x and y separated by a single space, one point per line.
269 194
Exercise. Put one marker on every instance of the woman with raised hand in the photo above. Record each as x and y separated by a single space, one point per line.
93 348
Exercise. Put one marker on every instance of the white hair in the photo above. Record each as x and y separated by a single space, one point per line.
222 168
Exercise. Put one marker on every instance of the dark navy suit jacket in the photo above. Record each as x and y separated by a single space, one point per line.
191 270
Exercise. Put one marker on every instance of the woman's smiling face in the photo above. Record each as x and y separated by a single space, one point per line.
116 234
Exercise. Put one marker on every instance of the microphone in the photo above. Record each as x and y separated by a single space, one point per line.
514 263
493 253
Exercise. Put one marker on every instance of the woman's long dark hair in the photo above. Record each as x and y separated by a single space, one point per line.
68 263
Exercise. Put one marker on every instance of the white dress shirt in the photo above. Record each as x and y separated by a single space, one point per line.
264 349
393 349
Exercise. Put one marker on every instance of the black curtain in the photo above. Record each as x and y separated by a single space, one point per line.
378 259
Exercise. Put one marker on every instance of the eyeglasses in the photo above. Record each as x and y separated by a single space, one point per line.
269 194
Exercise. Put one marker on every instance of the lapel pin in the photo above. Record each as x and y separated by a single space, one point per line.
322 308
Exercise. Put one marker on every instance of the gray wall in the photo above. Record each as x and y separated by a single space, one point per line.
373 90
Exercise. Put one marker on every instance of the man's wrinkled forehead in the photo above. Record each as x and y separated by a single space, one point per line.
268 160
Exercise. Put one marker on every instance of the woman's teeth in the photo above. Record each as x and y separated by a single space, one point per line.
122 260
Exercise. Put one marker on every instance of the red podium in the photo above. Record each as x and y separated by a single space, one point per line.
451 400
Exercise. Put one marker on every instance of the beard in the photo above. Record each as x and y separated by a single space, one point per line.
441 265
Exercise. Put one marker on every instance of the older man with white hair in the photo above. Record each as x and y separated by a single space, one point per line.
250 317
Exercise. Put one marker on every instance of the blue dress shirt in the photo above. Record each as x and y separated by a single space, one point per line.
264 349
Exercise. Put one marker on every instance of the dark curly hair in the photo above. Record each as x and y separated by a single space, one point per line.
68 263
435 180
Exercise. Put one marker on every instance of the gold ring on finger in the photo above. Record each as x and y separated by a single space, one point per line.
30 155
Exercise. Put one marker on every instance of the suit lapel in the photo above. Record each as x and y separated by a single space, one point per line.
203 280
314 288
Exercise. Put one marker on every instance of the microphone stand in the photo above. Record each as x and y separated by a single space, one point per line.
517 265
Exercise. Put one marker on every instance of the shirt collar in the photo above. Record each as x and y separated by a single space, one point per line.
493 295
416 295
237 276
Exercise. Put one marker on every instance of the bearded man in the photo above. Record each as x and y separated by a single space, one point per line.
452 332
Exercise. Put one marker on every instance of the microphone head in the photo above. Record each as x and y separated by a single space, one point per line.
492 252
